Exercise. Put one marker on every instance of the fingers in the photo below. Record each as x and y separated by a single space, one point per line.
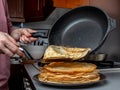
10 49
7 52
20 53
10 39
25 39
33 39
25 36
30 30
26 31
13 48
8 45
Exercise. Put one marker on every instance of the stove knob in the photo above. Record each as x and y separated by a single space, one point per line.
25 79
28 88
27 84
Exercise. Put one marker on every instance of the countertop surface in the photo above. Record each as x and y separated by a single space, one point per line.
111 82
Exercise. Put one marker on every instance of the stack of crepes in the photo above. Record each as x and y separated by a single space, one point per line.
67 72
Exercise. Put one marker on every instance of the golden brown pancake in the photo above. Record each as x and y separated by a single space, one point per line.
61 53
70 67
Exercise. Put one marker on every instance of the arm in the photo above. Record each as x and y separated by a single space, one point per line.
9 23
8 44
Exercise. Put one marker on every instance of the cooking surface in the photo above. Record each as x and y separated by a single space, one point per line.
112 81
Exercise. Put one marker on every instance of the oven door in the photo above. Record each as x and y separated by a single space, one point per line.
19 79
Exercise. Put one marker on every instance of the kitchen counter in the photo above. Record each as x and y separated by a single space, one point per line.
112 81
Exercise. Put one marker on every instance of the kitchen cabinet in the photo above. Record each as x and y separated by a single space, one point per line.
29 10
70 3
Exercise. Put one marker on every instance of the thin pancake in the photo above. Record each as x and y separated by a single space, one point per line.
70 67
64 53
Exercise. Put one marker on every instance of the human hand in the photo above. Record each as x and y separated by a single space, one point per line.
8 45
23 35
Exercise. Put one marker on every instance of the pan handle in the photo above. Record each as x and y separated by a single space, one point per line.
39 34
111 23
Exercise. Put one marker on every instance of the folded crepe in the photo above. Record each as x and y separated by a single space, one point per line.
62 53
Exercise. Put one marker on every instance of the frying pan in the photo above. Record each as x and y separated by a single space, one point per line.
83 27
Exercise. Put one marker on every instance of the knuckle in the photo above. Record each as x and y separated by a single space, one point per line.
10 54
2 40
15 50
1 45
5 33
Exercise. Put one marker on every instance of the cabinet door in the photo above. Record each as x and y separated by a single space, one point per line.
36 10
15 8
70 3
29 10
33 8
20 8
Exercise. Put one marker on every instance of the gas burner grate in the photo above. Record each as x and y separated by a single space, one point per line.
105 64
102 64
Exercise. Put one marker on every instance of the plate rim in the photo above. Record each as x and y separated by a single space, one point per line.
102 78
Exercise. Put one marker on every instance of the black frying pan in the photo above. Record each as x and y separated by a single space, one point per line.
82 27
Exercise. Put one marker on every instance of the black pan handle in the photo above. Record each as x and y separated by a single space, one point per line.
39 34
112 24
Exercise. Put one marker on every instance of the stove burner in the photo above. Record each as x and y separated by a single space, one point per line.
104 64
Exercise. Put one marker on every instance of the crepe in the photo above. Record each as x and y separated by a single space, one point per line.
62 53
69 72
70 67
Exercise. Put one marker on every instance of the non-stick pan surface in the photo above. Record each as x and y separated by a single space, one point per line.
81 27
